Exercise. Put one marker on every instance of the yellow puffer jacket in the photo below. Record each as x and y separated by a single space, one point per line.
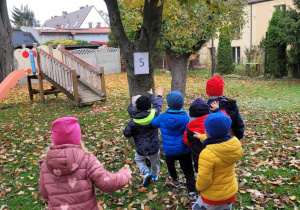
216 172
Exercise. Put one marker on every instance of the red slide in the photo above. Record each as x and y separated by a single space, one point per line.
10 81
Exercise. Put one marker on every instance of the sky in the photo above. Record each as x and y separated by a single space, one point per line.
44 9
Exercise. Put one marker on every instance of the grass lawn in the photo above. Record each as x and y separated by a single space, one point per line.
268 172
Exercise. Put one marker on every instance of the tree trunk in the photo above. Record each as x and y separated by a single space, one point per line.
145 41
179 71
6 47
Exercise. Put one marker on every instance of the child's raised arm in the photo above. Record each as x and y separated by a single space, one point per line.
159 91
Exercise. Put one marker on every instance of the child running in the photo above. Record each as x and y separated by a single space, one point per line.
172 124
216 179
145 136
69 173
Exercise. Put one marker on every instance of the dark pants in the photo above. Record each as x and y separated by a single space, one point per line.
186 166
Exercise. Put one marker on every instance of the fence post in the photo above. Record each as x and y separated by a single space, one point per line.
40 78
50 49
63 57
103 89
75 87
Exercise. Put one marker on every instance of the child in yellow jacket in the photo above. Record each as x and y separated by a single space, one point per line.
216 179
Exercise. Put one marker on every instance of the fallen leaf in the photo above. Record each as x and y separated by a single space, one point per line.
142 190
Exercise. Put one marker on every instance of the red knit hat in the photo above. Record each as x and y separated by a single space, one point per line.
215 86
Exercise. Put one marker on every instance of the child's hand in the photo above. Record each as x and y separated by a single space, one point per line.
150 91
127 168
214 105
197 135
159 91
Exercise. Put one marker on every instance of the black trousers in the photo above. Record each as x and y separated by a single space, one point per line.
186 165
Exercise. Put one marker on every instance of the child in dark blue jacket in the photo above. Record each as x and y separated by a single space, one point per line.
214 90
172 124
145 136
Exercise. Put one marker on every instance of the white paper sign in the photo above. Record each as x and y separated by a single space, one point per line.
141 63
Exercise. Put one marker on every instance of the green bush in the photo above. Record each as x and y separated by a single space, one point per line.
225 61
276 48
66 42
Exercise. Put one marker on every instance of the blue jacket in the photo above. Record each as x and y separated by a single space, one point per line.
172 124
139 127
232 110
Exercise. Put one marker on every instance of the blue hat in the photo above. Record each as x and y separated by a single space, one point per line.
199 108
175 100
217 124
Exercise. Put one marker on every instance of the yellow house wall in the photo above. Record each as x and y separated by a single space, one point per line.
262 14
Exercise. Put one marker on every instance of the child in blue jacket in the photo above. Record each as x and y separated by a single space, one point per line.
142 111
172 124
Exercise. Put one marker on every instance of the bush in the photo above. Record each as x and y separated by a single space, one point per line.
276 48
66 42
225 61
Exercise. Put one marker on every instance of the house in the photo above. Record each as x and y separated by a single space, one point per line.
85 17
21 37
258 15
84 24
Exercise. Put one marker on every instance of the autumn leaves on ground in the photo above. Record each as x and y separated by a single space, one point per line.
268 172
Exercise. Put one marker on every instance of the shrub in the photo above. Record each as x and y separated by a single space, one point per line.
276 48
225 61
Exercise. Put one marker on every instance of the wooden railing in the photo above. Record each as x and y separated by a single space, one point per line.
64 76
90 74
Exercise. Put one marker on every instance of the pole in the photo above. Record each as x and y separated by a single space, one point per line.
212 58
266 54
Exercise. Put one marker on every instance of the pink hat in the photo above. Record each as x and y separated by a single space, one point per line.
66 130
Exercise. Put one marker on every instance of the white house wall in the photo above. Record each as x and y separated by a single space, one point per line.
91 37
93 17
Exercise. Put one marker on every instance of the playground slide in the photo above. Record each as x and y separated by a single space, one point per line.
10 81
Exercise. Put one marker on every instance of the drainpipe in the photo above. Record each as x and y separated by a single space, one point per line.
251 26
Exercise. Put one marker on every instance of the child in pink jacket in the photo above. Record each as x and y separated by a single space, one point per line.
69 173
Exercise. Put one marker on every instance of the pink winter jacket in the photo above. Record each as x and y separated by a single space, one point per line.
67 177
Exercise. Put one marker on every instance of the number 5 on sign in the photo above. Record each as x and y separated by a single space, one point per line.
141 63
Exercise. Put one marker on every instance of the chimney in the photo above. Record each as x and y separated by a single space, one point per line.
64 12
58 26
81 7
86 5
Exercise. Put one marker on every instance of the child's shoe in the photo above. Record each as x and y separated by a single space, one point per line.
146 179
174 182
192 197
155 178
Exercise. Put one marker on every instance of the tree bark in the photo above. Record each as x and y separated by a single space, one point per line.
145 41
179 71
6 47
179 66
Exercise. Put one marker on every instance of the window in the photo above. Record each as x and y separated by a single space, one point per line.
281 7
236 55
98 24
90 25
67 25
237 33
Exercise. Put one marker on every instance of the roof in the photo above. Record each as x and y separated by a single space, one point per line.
99 30
69 18
21 37
257 1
